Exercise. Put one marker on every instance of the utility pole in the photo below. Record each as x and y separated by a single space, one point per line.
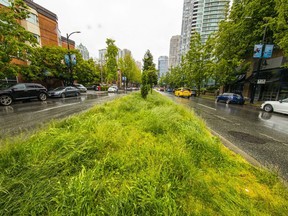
258 67
69 55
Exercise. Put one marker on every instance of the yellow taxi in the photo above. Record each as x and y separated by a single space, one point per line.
183 92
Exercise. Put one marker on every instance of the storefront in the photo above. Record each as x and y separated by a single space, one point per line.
271 81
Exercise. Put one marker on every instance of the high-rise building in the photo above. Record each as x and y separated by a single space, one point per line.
162 65
201 16
186 26
121 54
84 51
102 54
174 53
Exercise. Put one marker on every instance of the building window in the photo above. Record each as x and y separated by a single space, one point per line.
32 19
37 38
5 3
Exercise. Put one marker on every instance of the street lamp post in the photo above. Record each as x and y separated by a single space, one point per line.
258 67
69 55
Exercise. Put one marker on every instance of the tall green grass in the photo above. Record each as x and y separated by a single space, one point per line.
133 157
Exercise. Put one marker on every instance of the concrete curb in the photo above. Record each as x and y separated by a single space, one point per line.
235 149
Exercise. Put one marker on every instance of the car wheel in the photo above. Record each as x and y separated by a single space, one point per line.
228 101
268 108
63 95
42 97
5 100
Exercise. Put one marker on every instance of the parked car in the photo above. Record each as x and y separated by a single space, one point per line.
113 89
183 92
169 90
230 98
21 91
80 87
64 91
193 93
95 87
280 106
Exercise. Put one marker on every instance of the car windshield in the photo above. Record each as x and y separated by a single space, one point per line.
59 89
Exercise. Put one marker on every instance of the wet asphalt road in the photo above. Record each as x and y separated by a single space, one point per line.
263 136
24 117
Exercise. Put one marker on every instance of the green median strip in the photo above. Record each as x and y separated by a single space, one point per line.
133 157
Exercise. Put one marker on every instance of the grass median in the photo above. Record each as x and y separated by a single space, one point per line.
133 157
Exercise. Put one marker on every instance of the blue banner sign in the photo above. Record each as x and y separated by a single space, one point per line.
67 60
73 59
268 51
258 51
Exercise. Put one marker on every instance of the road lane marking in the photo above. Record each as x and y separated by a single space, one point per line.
56 107
279 141
207 107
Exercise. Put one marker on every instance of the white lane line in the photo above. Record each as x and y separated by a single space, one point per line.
56 107
207 107
273 139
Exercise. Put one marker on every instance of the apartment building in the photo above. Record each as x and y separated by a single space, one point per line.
202 16
83 50
162 65
174 51
43 24
121 54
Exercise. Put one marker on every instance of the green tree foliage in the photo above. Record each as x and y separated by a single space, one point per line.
145 85
237 35
149 68
111 60
15 41
48 62
86 71
280 25
197 62
129 69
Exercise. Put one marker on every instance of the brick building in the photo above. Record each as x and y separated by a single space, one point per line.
43 24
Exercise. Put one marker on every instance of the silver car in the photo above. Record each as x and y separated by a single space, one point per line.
80 87
64 91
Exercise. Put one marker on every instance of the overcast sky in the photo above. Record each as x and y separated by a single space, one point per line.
136 25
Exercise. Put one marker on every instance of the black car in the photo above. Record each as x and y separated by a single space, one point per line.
95 87
21 91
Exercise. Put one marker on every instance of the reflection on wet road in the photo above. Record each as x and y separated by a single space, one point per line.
25 116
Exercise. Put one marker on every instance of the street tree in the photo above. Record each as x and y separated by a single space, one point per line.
149 69
279 25
111 60
48 62
145 85
234 42
129 69
197 62
15 42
